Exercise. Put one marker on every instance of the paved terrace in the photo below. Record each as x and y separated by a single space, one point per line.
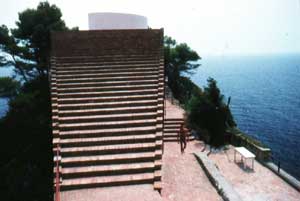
259 185
182 176
120 193
183 179
173 111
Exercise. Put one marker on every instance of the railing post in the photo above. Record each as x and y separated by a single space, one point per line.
57 192
164 115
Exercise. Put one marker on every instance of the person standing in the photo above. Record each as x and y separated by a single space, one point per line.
182 137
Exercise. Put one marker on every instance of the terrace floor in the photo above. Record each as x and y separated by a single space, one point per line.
173 111
184 179
259 185
182 176
119 193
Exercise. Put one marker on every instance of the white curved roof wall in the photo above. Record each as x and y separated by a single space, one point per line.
100 21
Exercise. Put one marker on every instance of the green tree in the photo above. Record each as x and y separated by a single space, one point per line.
212 92
208 112
27 47
8 87
26 150
180 61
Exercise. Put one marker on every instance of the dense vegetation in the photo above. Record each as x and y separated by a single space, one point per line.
209 115
180 61
207 112
26 152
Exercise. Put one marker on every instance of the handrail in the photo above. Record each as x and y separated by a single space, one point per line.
164 105
57 190
278 162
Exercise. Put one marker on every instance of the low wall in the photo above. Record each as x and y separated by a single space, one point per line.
284 175
224 188
262 153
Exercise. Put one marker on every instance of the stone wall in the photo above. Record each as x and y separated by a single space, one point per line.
261 153
106 42
224 188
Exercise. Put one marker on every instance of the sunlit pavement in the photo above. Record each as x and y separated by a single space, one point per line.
258 184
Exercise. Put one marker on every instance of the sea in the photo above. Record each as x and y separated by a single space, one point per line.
4 72
265 99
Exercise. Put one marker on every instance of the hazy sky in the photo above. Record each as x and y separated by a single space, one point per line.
208 26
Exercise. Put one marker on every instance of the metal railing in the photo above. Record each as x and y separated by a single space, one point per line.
57 180
276 162
164 117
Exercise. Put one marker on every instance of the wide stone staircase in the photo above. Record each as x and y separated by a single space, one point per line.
107 90
172 128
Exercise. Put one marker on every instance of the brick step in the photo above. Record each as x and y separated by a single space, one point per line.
173 121
178 124
109 159
173 134
105 170
172 126
107 88
110 140
103 111
108 124
79 67
107 93
108 74
67 64
109 79
113 104
110 58
106 181
168 135
107 69
108 132
115 83
171 130
107 149
110 117
152 54
106 58
175 139
107 63
107 99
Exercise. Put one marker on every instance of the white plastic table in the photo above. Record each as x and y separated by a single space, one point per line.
245 154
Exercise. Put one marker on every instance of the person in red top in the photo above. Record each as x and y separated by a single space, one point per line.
182 137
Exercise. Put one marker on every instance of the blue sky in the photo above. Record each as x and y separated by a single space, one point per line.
208 26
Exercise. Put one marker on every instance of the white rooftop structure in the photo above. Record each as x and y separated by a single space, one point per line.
101 21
